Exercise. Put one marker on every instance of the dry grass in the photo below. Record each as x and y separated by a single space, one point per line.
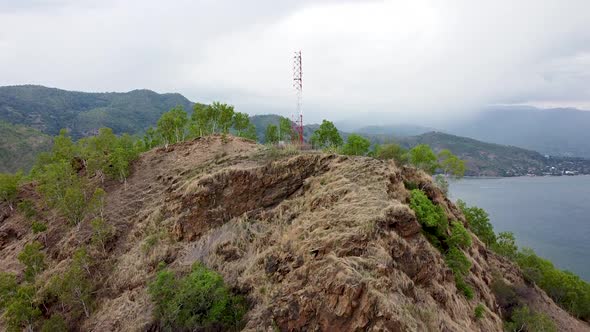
337 249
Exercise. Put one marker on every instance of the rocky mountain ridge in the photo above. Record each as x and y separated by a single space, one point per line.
313 242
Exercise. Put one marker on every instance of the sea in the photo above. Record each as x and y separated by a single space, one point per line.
549 214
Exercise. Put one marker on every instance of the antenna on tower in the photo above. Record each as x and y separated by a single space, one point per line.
298 85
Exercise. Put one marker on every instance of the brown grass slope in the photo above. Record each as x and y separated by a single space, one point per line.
315 242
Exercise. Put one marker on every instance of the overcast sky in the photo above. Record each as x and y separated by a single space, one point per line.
402 60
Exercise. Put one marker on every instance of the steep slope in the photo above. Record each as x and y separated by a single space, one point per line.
314 241
49 110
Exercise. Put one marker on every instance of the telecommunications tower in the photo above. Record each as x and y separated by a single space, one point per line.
298 85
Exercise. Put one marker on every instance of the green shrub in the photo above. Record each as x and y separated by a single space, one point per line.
523 319
434 224
38 227
198 300
8 287
27 208
54 324
459 236
457 261
410 185
480 309
432 217
9 187
33 259
463 286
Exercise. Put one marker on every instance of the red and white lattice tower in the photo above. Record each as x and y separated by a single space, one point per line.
298 85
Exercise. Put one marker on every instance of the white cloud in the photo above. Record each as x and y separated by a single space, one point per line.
400 59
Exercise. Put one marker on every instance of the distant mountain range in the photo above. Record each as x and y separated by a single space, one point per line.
557 132
30 114
48 110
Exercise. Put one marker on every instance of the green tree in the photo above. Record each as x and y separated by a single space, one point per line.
55 323
506 245
326 136
356 145
421 156
73 206
450 164
201 120
63 147
73 288
94 151
479 223
392 151
21 312
172 125
124 152
8 288
151 138
54 179
9 187
102 233
286 130
442 183
33 259
565 288
241 123
271 136
250 132
223 115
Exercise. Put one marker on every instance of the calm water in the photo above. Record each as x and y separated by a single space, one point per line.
549 214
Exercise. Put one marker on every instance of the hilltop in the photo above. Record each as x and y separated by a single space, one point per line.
31 114
488 159
48 109
312 241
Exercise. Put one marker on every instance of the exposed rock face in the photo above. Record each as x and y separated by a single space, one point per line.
315 242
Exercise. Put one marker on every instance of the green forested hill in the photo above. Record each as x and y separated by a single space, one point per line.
488 159
19 145
30 114
49 109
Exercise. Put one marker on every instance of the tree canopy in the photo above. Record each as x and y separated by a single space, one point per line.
423 157
356 145
326 136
